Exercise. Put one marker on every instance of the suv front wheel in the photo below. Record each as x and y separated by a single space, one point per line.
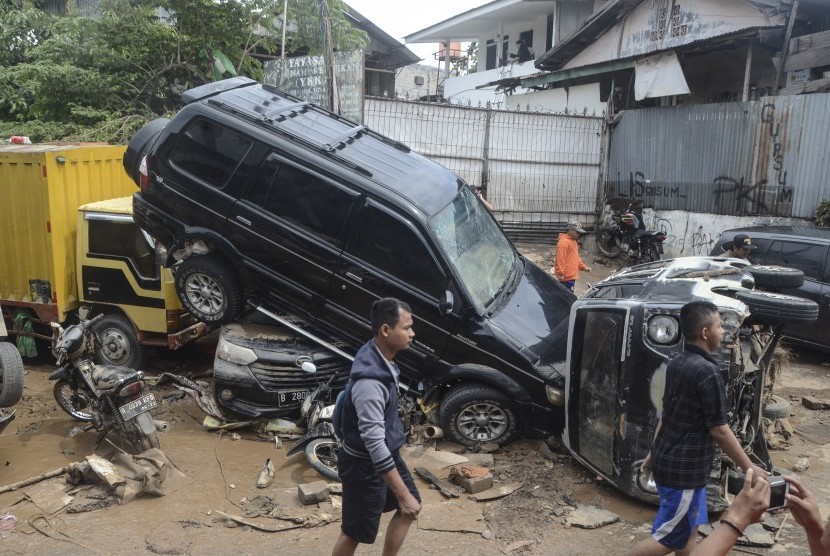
475 413
209 288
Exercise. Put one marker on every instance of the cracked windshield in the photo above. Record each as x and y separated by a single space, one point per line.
475 246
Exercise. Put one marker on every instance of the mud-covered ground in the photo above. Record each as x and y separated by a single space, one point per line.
220 475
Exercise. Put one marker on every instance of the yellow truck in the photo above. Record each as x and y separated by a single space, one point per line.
69 245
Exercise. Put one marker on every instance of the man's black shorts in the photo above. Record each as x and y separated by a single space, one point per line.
366 495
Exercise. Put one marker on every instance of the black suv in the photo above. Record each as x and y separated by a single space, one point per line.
802 247
258 197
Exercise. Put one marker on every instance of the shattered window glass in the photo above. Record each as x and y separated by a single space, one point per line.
602 338
475 246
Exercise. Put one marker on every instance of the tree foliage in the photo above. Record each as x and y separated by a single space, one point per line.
99 76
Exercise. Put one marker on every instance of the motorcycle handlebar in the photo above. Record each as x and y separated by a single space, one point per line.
93 320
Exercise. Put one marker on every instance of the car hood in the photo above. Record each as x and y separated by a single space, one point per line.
535 316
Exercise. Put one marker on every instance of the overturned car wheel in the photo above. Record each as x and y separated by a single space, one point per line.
776 277
11 375
776 308
209 288
474 413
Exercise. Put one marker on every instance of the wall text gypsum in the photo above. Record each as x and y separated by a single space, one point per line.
760 158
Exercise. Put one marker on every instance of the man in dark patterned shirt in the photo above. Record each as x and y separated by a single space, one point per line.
693 420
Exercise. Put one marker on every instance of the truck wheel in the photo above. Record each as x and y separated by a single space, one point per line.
119 343
209 288
474 413
11 365
776 277
140 145
776 308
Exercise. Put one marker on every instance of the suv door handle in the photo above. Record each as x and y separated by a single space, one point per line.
243 220
354 277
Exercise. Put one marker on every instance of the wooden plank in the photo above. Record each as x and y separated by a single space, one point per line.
443 487
808 42
815 86
808 59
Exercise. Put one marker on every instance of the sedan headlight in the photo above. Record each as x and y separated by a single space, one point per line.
663 329
555 396
233 353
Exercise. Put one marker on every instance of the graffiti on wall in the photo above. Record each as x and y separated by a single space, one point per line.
703 241
638 187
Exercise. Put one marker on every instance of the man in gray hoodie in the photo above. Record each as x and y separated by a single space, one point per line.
375 478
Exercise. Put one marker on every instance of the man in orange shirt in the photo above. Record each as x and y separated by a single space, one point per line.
568 262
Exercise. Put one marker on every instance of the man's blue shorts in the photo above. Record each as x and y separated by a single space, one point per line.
680 512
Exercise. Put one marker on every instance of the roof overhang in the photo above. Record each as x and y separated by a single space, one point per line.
595 25
403 56
472 24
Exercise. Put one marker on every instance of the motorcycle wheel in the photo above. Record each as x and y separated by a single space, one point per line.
321 454
608 244
63 395
650 254
138 439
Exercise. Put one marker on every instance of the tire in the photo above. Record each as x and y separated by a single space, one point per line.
776 308
119 343
608 244
138 439
209 288
776 277
776 407
321 454
650 254
140 145
474 413
11 365
63 395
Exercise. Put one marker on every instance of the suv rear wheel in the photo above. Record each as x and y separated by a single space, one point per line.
475 413
775 308
776 277
208 286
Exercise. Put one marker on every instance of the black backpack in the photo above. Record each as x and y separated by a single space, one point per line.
339 408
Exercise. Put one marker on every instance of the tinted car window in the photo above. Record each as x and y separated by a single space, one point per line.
307 201
209 151
122 240
807 257
394 247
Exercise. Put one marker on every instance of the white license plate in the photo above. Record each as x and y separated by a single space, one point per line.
136 407
292 397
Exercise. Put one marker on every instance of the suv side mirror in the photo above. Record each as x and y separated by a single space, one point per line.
445 305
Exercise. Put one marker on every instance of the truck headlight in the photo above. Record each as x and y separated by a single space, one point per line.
555 395
233 353
663 329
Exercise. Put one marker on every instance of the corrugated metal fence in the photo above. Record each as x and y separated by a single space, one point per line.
767 157
538 170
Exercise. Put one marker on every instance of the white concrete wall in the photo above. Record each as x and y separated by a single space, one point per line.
462 90
691 233
581 99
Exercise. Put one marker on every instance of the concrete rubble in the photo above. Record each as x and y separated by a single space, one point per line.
591 517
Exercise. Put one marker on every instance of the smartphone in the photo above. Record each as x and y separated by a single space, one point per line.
778 489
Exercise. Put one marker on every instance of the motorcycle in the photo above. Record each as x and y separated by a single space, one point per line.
627 234
109 398
320 443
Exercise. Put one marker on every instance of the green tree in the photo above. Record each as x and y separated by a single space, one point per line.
99 78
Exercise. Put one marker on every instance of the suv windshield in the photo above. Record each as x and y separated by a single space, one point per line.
476 247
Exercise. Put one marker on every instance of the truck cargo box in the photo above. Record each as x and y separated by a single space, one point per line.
41 188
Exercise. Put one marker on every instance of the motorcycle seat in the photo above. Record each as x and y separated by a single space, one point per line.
108 377
641 233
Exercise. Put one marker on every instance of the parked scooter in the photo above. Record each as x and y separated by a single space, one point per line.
109 398
627 234
320 444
